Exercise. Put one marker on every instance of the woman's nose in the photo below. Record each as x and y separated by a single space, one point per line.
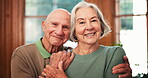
89 26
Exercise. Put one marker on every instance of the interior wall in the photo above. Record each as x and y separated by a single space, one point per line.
108 9
11 32
147 31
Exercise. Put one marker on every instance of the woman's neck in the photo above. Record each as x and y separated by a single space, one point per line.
50 48
83 49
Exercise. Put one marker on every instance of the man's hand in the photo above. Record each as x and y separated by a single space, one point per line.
64 56
123 68
51 72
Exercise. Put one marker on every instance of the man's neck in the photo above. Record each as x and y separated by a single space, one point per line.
50 48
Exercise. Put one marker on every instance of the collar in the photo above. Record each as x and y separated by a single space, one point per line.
42 50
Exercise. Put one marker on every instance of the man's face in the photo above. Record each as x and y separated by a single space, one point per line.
57 28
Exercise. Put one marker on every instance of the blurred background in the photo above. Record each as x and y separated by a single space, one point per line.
20 23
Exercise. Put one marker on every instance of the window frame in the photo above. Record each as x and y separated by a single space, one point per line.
117 24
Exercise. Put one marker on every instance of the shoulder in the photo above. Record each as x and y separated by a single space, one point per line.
24 50
117 51
111 50
115 54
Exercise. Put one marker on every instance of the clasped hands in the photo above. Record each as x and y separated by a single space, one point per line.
58 63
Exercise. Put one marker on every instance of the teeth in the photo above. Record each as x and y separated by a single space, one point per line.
90 34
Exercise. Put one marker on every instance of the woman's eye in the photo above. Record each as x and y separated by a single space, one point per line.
82 23
93 20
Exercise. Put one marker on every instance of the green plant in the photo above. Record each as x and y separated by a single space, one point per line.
141 75
118 44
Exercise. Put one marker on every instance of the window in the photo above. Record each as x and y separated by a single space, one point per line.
131 25
37 10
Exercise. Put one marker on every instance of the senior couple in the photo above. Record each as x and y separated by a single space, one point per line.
47 59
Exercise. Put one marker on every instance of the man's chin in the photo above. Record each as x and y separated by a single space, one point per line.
57 43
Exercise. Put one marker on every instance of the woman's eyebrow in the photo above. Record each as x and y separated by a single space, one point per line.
94 17
80 19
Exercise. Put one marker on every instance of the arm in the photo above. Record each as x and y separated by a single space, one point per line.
123 68
19 68
115 57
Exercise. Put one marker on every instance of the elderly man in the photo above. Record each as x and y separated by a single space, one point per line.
28 61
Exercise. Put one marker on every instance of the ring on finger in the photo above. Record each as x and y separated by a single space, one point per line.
45 75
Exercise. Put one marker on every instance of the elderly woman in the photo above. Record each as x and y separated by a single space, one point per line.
91 59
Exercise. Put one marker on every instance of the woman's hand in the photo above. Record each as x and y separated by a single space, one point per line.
52 72
64 56
123 68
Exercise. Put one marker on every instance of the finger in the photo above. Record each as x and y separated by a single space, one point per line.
63 56
68 53
41 77
72 56
64 51
54 59
43 74
119 66
48 72
60 51
130 70
53 54
47 67
121 70
125 59
125 76
60 65
49 75
50 68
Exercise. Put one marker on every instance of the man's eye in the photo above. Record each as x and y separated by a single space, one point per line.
54 24
82 23
66 27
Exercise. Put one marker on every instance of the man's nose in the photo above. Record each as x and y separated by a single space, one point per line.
59 31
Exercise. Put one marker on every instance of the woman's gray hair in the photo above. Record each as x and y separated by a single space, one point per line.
104 26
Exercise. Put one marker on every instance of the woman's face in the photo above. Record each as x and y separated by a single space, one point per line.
87 27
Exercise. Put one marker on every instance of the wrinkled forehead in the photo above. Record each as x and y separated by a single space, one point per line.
59 20
85 12
60 14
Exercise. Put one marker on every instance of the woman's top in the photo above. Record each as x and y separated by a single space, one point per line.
97 64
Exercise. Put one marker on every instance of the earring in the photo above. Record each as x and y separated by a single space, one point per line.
75 37
102 33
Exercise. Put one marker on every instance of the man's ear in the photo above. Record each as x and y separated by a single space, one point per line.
43 25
